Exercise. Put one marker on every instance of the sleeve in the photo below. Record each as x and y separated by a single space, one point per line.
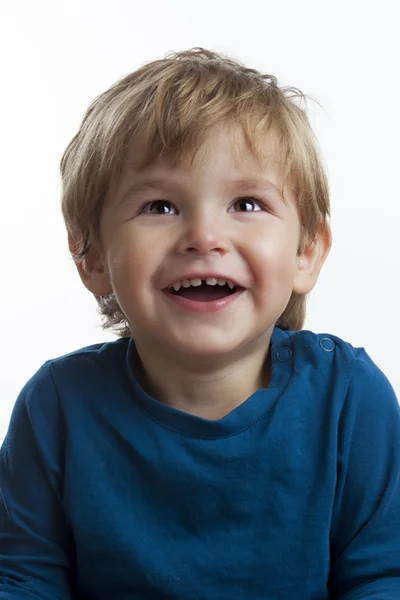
365 528
36 541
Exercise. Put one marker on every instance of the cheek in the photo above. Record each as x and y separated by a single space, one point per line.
133 264
273 255
129 275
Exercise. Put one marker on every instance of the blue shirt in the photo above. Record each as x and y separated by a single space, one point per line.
108 494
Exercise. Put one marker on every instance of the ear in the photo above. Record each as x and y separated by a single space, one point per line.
92 269
310 262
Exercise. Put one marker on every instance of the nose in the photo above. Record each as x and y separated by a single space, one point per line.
203 234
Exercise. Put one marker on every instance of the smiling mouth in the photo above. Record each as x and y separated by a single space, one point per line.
205 293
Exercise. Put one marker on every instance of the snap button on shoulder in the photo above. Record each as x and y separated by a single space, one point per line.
327 344
283 354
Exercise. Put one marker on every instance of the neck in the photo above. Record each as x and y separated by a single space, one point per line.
207 392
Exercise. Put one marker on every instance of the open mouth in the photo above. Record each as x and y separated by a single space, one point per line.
205 292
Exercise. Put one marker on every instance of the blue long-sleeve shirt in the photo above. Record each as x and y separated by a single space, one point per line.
108 494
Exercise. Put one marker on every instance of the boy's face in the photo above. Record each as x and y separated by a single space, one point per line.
201 218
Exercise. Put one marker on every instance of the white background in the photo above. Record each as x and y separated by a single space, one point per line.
56 56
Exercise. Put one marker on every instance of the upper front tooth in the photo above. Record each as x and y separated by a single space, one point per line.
211 281
190 282
221 281
195 282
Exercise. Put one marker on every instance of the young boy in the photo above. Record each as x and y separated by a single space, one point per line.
215 450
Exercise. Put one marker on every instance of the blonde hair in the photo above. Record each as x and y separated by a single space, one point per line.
171 105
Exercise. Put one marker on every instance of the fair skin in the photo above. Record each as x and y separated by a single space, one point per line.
204 364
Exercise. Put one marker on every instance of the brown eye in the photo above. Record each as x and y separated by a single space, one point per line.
247 205
157 207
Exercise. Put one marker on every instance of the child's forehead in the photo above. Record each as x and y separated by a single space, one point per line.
222 146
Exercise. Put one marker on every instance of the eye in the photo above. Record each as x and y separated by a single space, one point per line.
157 207
248 204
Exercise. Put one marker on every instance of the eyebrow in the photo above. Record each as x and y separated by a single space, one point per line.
141 186
255 183
260 185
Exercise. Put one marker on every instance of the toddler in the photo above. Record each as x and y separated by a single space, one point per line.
214 450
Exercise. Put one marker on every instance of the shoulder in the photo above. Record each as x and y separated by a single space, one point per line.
93 360
333 363
322 351
330 344
69 375
95 354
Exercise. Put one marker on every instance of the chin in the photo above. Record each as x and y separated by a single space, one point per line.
208 348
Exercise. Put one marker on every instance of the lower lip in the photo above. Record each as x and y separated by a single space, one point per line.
203 307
